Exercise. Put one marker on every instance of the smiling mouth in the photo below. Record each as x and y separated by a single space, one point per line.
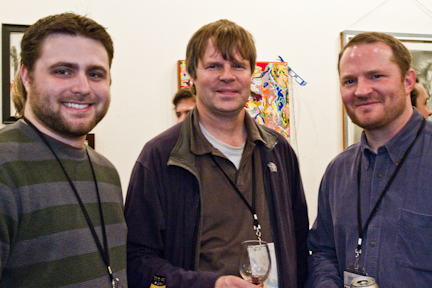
227 91
366 103
75 105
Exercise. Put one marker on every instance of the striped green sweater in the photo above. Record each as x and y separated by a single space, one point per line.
44 238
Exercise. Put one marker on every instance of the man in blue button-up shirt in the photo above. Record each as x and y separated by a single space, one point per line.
393 161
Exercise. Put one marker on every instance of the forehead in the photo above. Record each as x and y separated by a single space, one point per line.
74 49
186 103
373 56
422 91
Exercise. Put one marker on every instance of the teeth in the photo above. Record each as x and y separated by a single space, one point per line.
76 106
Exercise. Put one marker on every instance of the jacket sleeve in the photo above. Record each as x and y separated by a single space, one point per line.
291 223
146 251
301 222
323 262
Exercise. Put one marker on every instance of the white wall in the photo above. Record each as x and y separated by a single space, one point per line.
150 36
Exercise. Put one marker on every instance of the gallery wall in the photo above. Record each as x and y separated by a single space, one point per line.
150 36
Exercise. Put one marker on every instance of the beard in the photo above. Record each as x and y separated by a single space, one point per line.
47 109
394 107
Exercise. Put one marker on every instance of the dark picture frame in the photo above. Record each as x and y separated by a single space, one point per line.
420 46
11 38
90 140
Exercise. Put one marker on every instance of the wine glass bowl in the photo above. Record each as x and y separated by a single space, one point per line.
254 263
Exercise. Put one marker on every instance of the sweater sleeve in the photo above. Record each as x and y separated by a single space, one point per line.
8 220
146 237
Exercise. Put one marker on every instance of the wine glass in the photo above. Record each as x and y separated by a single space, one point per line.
255 263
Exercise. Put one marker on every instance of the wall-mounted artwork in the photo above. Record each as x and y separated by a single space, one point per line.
90 140
183 77
420 46
11 50
269 100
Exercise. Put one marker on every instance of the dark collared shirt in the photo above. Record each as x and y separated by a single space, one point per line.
227 220
397 246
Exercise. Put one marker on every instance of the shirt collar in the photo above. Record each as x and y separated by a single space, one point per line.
200 145
398 145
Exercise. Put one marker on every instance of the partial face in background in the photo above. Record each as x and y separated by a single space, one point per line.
222 86
183 107
422 101
372 89
69 88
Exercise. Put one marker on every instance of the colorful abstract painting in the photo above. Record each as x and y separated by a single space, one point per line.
183 77
269 100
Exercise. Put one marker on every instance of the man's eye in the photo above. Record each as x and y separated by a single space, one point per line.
97 75
377 76
62 72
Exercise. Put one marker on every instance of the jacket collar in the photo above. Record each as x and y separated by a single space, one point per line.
192 142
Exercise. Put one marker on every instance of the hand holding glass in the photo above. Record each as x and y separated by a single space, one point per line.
255 263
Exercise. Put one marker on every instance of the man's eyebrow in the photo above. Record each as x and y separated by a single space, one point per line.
375 71
211 61
347 76
97 67
76 66
64 64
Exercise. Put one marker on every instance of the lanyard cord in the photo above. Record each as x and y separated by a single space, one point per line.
375 209
103 252
252 208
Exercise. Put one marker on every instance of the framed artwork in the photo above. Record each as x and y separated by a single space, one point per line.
11 50
90 140
269 100
183 77
420 46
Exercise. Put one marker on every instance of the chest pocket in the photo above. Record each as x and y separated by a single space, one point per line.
414 240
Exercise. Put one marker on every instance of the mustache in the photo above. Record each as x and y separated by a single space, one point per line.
364 100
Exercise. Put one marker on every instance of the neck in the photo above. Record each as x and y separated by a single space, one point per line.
76 142
231 131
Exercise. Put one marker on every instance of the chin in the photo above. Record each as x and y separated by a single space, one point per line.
74 130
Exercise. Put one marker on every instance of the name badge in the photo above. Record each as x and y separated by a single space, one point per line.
272 280
350 273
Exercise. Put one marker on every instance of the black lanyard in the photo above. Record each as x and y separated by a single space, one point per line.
375 209
104 252
252 207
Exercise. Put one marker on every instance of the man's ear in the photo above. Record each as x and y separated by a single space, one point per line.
410 80
25 77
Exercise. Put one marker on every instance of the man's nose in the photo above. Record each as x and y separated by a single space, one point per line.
81 84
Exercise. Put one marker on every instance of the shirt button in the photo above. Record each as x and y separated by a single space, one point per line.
397 161
379 175
372 244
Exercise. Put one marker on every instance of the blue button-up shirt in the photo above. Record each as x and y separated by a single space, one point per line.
397 245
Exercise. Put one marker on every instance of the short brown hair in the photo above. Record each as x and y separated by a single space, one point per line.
228 38
401 55
65 23
184 93
18 95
